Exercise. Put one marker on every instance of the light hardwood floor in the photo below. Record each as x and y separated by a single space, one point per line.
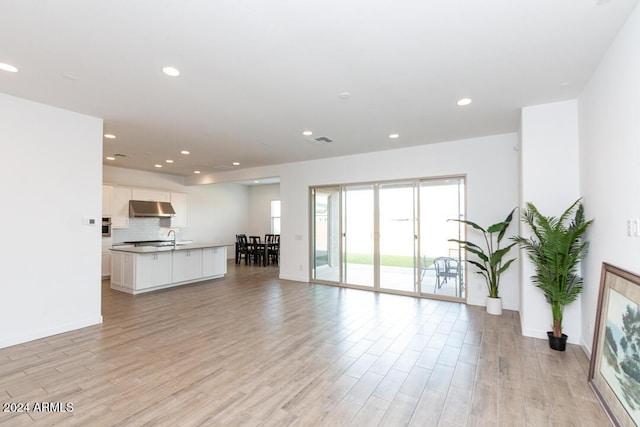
251 349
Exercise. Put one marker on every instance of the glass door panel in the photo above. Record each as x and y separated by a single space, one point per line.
397 236
441 266
326 233
358 246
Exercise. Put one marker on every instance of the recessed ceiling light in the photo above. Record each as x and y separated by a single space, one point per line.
256 182
464 101
171 71
236 163
157 166
394 136
109 136
307 133
196 172
8 67
344 95
185 152
111 158
169 161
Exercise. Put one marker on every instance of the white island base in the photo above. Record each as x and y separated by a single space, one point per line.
146 269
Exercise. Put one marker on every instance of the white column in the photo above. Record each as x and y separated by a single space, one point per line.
549 167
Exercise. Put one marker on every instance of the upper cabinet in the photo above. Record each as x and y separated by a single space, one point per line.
115 204
179 203
120 207
150 195
107 194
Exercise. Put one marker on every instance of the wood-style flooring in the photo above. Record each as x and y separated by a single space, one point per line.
251 349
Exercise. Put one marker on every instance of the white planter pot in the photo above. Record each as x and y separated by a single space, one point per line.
494 306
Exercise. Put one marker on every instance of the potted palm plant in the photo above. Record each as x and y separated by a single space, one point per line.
490 262
555 250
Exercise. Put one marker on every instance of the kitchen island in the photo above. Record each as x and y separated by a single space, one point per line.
148 268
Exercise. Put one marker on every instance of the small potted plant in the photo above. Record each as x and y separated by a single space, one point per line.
490 261
555 250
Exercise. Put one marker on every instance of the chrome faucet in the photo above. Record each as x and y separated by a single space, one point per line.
174 237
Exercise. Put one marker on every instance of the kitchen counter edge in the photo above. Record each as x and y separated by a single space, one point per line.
152 249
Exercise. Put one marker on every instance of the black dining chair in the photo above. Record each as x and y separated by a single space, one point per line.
273 248
242 249
257 249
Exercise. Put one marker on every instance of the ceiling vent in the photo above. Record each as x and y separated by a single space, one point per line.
321 140
119 155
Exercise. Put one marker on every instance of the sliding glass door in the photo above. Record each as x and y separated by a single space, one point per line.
442 268
390 236
326 233
397 230
357 220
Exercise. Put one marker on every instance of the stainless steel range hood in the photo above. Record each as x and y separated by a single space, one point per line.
144 208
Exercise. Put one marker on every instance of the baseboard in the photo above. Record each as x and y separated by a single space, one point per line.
43 333
534 333
302 279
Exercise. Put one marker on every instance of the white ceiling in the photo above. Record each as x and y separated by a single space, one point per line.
256 73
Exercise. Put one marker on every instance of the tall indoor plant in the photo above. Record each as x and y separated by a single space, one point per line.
490 261
555 250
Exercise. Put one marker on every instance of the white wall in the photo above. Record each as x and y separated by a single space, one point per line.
549 177
51 181
260 197
609 112
490 163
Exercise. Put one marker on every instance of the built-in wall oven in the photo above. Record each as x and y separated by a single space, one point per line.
106 227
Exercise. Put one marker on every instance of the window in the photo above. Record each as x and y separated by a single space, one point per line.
275 217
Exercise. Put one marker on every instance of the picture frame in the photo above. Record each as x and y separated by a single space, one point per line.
614 371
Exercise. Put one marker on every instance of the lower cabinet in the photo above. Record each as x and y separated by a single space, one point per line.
187 265
142 272
121 262
106 265
154 269
214 261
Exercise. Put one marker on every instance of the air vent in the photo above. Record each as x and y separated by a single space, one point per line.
321 140
222 167
119 155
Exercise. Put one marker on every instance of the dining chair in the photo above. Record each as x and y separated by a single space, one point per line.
447 268
257 249
273 248
242 249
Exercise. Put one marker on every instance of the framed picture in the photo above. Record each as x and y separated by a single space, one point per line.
614 374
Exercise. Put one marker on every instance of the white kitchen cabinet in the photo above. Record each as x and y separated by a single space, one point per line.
120 207
106 265
187 265
140 271
214 261
137 270
107 194
150 195
118 266
179 203
153 269
106 256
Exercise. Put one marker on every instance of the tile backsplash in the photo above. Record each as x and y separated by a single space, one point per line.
144 229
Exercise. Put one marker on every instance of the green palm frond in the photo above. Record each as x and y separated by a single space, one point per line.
555 250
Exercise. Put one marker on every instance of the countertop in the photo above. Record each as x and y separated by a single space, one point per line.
179 247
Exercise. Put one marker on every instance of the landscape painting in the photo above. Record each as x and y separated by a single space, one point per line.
615 370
